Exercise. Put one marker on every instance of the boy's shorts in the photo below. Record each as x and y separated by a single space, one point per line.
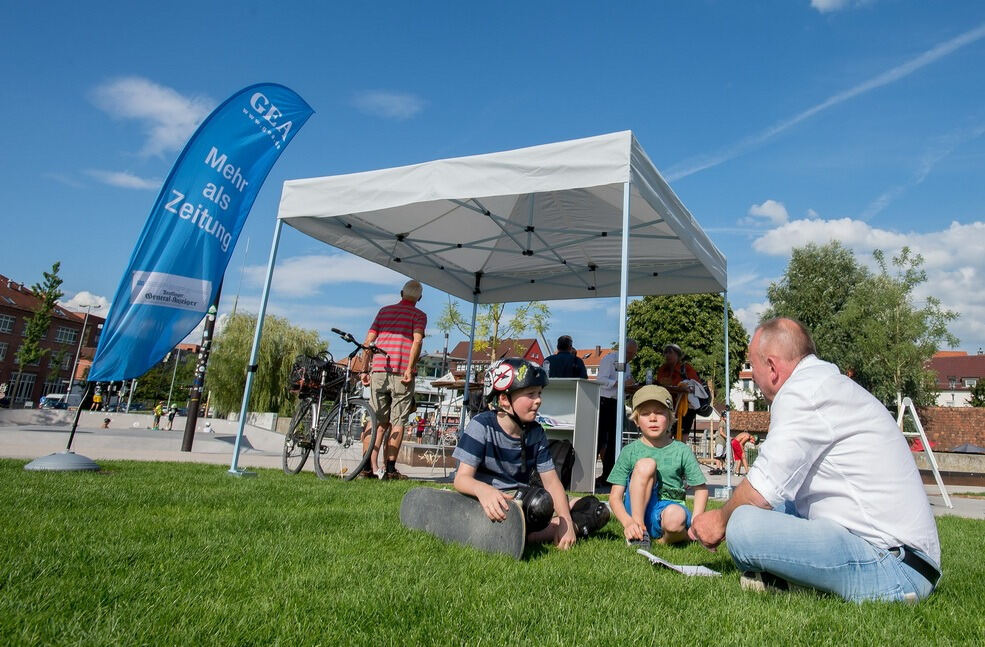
654 508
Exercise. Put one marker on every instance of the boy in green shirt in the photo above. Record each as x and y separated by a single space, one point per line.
648 479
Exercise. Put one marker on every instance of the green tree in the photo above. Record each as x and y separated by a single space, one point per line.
978 394
30 351
694 322
280 344
493 323
155 384
815 288
893 339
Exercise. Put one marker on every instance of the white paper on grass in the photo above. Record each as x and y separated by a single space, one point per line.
680 568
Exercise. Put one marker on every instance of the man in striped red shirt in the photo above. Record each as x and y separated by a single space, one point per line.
399 330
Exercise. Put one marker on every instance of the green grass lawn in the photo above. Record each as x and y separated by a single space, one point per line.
180 554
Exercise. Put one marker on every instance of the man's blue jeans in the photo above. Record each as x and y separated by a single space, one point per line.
819 554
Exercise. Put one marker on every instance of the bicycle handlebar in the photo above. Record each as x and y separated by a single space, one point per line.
373 348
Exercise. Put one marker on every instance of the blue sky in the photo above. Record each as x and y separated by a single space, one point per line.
777 123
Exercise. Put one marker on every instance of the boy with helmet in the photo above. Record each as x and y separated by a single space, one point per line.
500 449
649 476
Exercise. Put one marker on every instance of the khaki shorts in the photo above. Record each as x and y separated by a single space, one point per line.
392 400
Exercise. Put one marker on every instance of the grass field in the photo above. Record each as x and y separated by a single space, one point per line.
181 554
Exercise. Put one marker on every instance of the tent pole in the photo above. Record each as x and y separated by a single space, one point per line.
623 298
468 362
728 403
251 368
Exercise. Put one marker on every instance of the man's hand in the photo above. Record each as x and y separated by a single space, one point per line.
407 377
495 503
364 378
564 536
634 530
708 528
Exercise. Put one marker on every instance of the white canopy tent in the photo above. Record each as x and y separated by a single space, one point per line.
583 218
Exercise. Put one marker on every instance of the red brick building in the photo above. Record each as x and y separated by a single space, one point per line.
957 372
51 373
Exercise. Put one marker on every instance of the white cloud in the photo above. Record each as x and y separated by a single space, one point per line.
302 276
811 214
84 298
772 211
940 149
386 298
750 314
581 305
124 179
702 162
389 105
168 117
954 259
67 180
826 6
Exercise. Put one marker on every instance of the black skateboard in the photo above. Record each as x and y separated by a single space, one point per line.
454 517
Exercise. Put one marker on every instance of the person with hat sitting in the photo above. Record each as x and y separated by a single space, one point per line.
650 475
676 372
500 450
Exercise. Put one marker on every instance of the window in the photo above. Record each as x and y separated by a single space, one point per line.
66 360
3 350
66 335
970 382
51 386
6 323
25 386
952 382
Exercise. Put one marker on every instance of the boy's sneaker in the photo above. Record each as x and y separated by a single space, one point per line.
589 515
366 474
763 582
637 544
393 476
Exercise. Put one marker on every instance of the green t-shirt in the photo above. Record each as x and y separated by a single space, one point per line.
676 465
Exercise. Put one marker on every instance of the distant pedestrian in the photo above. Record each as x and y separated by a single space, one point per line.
106 422
208 428
158 412
97 402
171 414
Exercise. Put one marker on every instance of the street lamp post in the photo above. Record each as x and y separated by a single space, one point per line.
78 351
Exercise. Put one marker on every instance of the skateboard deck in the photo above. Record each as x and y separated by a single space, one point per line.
457 518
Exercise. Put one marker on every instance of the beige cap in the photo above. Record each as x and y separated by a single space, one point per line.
653 392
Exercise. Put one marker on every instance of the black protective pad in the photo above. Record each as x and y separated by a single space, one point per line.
455 517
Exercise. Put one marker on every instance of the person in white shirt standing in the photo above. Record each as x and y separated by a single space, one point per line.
608 381
834 501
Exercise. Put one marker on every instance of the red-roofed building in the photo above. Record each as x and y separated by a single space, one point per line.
957 372
51 373
526 348
592 358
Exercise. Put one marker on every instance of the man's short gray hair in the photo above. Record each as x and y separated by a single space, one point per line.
411 291
785 337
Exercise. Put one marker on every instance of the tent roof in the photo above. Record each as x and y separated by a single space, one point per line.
538 223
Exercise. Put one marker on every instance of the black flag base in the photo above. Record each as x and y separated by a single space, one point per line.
65 461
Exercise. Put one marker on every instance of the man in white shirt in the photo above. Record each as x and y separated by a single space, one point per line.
834 500
608 380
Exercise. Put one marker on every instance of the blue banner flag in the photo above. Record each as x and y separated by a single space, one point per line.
182 253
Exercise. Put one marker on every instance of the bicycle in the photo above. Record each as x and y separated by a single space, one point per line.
336 436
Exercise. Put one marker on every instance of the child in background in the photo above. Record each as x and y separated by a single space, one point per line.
648 479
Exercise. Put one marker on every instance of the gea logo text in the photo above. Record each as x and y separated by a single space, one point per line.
270 113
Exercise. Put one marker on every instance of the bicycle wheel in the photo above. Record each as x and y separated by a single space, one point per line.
340 447
297 440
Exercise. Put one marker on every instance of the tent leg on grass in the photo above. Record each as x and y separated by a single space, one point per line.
251 368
